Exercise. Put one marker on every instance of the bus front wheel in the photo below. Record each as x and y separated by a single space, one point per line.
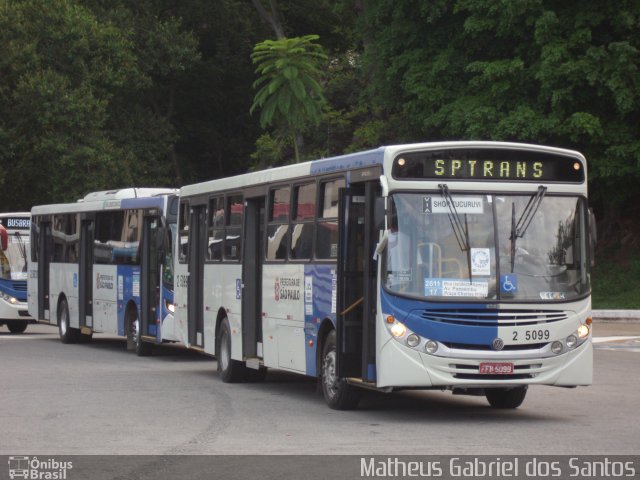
338 394
506 397
17 327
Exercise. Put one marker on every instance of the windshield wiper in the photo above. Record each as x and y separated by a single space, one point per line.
460 231
519 228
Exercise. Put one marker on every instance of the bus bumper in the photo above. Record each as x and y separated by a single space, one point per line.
401 367
14 311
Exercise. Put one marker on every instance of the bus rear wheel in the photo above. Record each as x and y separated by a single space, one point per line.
506 397
134 337
338 394
231 371
17 327
67 334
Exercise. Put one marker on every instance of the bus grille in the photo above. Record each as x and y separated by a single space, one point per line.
19 286
494 318
489 348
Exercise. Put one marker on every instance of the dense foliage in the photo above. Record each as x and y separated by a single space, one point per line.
158 92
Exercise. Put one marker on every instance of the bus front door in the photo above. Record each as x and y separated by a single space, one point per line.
252 276
150 277
356 310
195 298
85 273
44 259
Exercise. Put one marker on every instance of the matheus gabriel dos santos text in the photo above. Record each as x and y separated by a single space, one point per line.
514 467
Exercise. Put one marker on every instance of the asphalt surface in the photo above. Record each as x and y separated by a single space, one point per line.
100 399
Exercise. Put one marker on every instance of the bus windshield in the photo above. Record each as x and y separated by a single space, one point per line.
14 259
525 247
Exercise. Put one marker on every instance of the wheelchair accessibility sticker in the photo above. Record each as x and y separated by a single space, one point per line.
509 283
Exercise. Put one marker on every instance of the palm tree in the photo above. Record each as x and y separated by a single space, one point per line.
290 94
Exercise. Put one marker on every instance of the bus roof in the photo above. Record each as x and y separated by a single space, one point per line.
297 170
109 200
126 193
351 161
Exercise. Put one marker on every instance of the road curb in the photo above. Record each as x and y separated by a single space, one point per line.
625 316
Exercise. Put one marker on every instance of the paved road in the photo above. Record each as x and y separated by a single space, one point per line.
60 399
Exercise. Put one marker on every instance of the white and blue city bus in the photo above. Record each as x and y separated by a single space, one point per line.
104 264
13 274
459 266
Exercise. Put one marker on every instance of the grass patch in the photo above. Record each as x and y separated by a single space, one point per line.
615 279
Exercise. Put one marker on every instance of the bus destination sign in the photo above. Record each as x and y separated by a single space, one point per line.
16 223
488 164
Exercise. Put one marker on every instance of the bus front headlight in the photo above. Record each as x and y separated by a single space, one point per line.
398 330
8 298
171 308
583 331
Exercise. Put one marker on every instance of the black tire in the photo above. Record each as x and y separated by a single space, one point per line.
338 394
134 336
506 398
231 371
16 326
66 332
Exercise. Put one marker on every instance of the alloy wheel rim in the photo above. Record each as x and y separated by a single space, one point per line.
329 373
224 352
63 322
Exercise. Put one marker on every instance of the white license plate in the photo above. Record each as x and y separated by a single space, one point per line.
496 368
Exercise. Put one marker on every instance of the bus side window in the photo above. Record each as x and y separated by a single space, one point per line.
216 229
304 215
233 232
279 203
327 227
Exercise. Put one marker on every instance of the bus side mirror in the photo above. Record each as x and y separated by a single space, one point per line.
593 236
379 212
4 238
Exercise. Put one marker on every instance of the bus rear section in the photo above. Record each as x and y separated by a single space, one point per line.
104 265
14 232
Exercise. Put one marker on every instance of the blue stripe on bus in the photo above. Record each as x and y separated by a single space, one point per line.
355 160
409 312
128 289
15 288
318 302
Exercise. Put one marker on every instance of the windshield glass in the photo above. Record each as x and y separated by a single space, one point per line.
442 252
14 260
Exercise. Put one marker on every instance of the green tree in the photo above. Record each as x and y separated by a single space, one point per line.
290 93
59 69
87 96
565 74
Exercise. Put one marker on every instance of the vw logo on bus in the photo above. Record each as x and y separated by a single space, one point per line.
497 344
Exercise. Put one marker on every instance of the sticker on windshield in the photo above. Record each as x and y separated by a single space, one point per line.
552 295
509 283
446 287
471 205
481 261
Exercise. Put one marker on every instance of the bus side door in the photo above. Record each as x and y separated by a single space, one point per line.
356 282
